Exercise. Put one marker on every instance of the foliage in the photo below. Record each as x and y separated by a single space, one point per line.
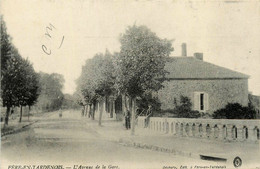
184 109
10 79
235 111
147 100
104 74
51 96
85 83
77 95
97 78
28 84
9 72
136 71
140 63
19 82
253 101
5 44
69 102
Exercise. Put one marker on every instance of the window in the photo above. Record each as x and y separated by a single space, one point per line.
200 101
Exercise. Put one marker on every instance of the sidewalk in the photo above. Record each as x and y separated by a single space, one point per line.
15 126
189 147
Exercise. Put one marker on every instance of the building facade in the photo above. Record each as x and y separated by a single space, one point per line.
208 86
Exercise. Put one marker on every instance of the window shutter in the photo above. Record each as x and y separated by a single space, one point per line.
206 101
196 101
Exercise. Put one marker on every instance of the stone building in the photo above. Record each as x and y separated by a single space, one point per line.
209 87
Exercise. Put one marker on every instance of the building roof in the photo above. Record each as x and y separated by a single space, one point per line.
193 68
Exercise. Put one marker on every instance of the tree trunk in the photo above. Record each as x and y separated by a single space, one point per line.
7 115
85 110
85 113
114 109
29 112
21 113
106 101
123 105
108 108
93 112
111 109
123 109
101 108
89 110
130 109
98 107
82 111
133 109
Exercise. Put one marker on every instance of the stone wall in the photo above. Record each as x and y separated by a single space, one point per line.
216 129
220 92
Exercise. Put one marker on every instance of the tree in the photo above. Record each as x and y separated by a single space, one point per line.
10 60
10 82
51 96
34 87
105 78
146 101
70 101
140 63
97 80
28 85
86 83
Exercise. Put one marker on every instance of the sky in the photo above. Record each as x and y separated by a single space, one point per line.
226 32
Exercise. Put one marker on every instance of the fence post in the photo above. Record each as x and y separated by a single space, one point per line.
204 131
229 132
251 133
240 132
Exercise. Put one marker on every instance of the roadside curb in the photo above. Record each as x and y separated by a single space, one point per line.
173 151
130 142
17 129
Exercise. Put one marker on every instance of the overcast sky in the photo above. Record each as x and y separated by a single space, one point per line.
227 33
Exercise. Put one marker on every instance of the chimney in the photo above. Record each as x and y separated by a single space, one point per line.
184 50
198 56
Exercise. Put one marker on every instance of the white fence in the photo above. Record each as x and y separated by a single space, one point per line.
219 129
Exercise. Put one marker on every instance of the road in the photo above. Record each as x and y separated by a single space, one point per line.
73 140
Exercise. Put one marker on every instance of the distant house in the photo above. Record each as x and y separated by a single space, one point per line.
209 87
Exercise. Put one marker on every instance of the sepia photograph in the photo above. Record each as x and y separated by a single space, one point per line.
130 84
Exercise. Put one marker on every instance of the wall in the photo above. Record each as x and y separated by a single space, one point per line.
220 92
216 129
